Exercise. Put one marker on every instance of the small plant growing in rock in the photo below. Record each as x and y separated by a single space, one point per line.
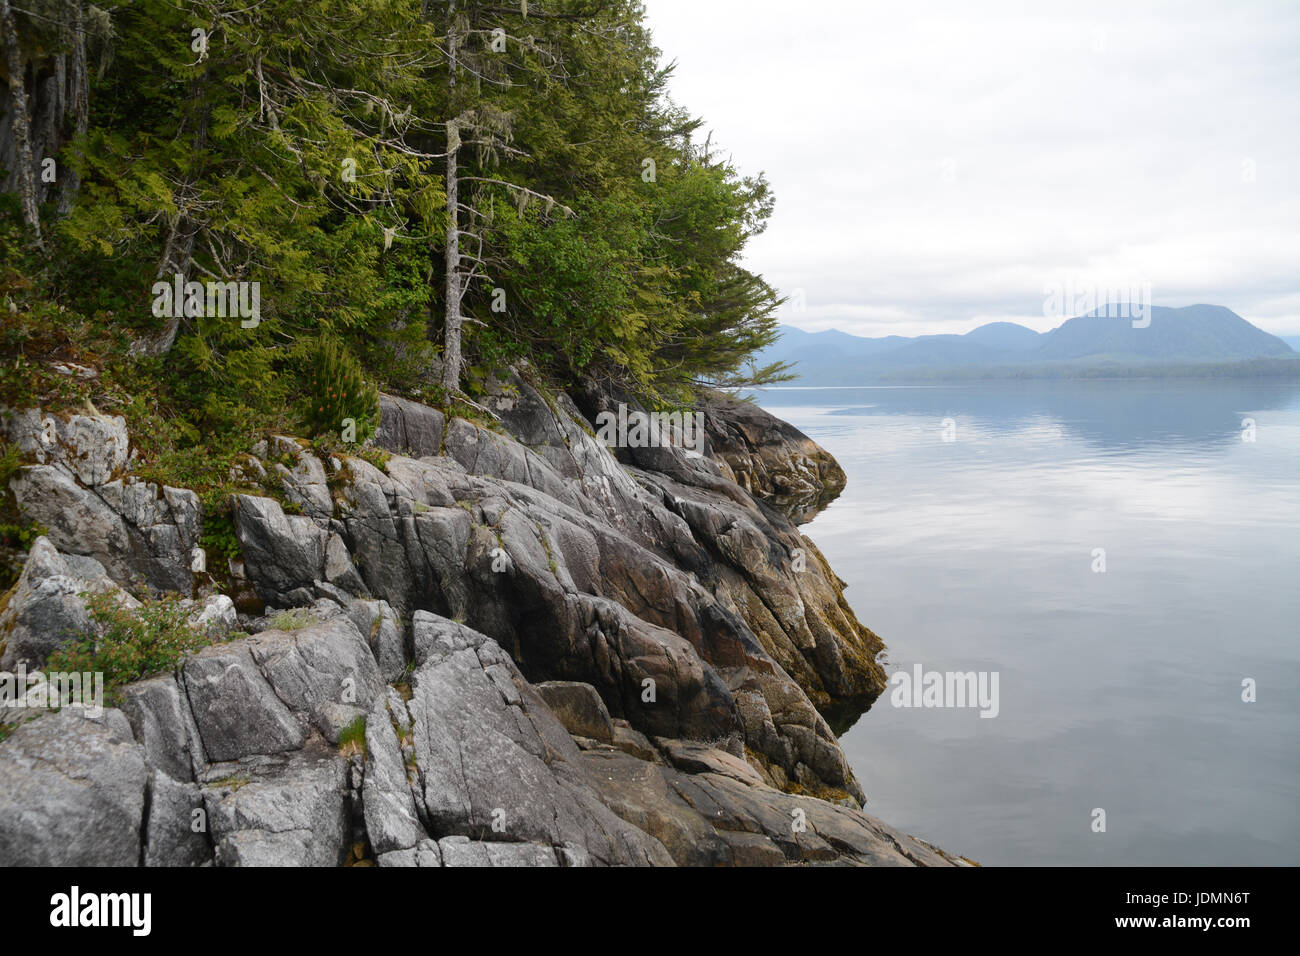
218 536
352 738
294 619
130 644
376 456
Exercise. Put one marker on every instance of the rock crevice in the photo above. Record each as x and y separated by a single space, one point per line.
513 646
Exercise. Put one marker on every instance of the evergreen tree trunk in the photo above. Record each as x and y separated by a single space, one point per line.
452 324
451 341
26 174
77 99
178 248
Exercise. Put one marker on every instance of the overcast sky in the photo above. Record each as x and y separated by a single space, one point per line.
937 164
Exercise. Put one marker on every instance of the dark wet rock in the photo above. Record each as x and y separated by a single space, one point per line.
710 819
579 708
770 458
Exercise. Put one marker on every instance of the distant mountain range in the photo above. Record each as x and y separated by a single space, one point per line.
1197 339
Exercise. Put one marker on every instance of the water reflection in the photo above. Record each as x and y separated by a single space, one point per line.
1107 415
1119 689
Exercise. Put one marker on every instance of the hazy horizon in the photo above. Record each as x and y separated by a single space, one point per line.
935 166
832 328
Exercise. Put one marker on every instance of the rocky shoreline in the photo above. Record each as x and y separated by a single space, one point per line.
560 656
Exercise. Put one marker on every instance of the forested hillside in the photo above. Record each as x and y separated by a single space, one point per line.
407 195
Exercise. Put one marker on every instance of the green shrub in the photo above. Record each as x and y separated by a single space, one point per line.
337 391
133 643
218 536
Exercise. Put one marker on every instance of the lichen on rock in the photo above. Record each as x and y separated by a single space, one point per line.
559 654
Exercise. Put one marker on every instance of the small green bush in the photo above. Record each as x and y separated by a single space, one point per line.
337 390
133 643
218 536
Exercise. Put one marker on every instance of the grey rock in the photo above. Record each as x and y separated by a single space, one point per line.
72 792
379 624
161 531
435 636
91 449
409 428
236 711
660 565
171 837
462 851
46 610
390 814
281 552
161 722
325 672
523 783
339 569
135 529
304 481
424 854
217 616
285 811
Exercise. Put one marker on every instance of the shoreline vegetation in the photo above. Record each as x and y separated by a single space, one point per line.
414 252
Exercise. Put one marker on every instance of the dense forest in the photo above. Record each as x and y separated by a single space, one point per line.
224 219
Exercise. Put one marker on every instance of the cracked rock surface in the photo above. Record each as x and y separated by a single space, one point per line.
508 646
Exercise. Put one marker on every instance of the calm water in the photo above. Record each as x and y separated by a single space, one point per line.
1119 690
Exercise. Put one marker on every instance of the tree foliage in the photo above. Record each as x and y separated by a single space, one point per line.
304 147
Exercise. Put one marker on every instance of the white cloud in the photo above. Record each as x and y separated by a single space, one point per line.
935 162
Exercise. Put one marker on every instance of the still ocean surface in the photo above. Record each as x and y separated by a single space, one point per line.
1119 690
